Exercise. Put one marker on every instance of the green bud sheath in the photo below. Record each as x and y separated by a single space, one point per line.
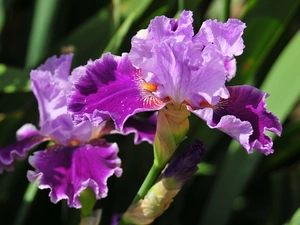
172 126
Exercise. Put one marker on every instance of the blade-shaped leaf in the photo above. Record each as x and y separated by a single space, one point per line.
40 31
13 79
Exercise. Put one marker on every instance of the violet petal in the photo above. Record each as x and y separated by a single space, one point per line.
143 129
244 117
19 149
68 170
183 166
111 87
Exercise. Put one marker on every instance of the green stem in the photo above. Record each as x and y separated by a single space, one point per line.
26 204
148 182
180 5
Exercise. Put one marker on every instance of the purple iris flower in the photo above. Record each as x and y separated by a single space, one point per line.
169 65
78 158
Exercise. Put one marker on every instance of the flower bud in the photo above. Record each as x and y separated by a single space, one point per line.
172 126
161 194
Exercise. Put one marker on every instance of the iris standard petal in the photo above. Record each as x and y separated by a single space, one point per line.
58 67
50 86
227 37
159 30
68 170
111 87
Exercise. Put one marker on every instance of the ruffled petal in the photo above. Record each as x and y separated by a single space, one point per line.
111 87
27 130
244 117
143 129
50 86
58 67
182 73
227 37
67 171
28 138
160 29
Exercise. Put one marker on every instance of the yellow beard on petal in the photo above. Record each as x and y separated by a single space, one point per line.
149 87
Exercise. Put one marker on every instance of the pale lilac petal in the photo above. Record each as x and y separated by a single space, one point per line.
67 171
77 73
19 150
160 29
111 87
50 86
58 67
230 66
62 130
227 37
27 130
184 74
244 117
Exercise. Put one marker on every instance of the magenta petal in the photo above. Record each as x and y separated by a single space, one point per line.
143 129
244 117
27 130
69 170
111 87
19 149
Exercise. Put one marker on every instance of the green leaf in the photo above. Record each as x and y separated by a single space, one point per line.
13 79
2 15
40 31
295 219
238 166
90 38
266 21
114 45
26 203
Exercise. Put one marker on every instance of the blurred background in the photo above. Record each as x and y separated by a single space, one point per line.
231 187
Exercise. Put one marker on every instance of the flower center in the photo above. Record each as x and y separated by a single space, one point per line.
74 142
205 104
149 87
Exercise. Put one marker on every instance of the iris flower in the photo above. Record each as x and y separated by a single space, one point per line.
170 67
78 158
